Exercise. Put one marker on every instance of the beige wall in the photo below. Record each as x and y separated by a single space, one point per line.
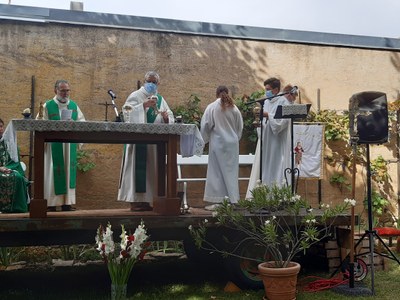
95 59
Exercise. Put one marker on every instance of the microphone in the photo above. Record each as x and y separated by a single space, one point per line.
112 94
294 90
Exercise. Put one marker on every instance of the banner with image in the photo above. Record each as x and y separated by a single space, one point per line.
308 144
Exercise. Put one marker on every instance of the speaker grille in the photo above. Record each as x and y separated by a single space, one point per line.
369 118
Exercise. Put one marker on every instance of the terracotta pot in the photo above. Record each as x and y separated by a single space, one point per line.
279 283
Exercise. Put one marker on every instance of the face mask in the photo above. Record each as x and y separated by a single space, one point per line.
150 87
269 94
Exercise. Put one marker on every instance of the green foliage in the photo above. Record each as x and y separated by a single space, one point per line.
84 160
336 126
379 170
277 220
170 246
249 131
340 180
76 252
8 255
378 203
190 111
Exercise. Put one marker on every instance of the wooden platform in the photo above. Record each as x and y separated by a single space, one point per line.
79 227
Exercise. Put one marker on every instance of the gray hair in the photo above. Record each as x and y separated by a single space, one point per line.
58 82
152 74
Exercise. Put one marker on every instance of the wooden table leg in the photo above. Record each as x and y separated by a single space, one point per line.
169 205
38 205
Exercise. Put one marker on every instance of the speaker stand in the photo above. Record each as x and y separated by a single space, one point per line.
370 233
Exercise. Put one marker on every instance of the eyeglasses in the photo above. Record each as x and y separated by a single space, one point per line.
152 81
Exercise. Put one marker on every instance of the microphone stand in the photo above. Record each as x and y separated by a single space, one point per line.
118 117
262 101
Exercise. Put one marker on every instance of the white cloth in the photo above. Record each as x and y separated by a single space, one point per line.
222 129
70 197
255 170
275 144
137 114
311 137
10 139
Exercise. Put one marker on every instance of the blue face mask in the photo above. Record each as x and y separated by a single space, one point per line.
269 94
150 87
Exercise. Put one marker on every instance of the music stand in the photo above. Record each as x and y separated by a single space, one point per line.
292 111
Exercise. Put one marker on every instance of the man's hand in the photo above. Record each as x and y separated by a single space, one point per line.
151 102
5 170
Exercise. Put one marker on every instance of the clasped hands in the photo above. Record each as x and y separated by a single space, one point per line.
5 170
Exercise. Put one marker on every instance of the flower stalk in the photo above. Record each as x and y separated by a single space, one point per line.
120 258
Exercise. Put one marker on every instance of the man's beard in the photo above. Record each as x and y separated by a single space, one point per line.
63 99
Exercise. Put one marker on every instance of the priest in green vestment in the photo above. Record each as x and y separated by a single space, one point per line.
138 180
60 158
13 184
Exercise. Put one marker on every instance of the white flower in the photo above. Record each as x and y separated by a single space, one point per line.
214 214
295 198
267 222
190 227
205 221
352 202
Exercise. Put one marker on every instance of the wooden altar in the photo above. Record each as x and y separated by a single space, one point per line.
164 136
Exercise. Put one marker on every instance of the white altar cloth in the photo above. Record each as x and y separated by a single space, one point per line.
191 142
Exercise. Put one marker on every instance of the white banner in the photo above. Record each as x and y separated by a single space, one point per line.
308 144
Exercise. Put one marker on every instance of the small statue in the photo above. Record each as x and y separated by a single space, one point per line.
40 115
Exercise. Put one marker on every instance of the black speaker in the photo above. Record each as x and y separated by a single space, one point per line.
368 119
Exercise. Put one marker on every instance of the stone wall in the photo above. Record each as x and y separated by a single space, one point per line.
95 59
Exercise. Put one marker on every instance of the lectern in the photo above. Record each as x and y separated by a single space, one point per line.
292 111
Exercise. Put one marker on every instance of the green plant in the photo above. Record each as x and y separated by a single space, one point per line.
340 180
190 111
84 160
379 170
248 117
336 125
170 246
75 252
276 220
378 203
8 255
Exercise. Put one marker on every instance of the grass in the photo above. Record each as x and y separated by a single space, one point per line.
162 278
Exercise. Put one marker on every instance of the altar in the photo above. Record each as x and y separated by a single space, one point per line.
164 136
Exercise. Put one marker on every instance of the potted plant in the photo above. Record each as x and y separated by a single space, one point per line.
277 221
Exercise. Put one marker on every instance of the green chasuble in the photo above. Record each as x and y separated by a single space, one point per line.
141 153
57 152
13 186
